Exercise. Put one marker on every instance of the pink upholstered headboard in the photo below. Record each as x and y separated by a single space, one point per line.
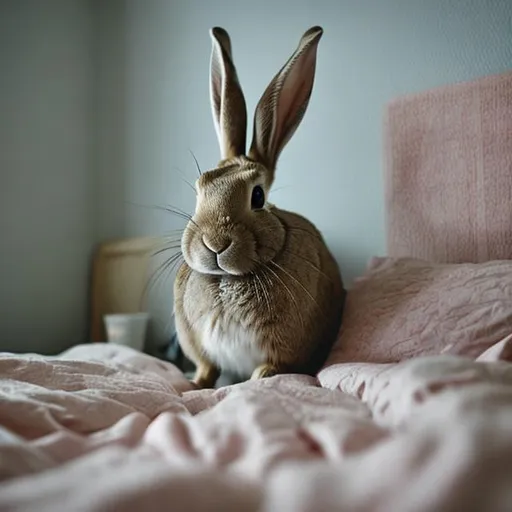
449 172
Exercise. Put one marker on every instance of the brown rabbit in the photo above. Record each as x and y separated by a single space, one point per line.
259 292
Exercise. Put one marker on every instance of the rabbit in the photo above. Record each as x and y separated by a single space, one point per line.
259 293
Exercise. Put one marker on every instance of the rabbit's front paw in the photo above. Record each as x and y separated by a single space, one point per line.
264 370
206 375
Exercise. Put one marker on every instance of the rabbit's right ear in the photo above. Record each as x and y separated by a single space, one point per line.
226 96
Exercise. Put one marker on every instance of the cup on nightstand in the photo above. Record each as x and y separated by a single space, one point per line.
128 329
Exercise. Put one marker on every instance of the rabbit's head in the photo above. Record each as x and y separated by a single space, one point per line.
233 229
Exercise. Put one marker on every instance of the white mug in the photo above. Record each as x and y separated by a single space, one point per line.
127 329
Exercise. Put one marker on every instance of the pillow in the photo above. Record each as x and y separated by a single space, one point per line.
405 307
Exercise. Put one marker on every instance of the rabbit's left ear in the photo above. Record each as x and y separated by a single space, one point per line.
284 102
226 96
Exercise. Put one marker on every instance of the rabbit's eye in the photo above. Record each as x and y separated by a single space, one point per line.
257 198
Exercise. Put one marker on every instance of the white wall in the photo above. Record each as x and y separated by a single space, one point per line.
47 176
155 64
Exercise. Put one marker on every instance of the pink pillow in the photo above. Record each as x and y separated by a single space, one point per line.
404 307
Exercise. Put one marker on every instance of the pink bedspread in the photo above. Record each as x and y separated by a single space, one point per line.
105 428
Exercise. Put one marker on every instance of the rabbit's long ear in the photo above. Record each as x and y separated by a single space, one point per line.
226 96
284 102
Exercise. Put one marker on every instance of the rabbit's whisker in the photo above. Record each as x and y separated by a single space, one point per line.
298 282
255 282
291 228
182 177
180 213
299 256
164 266
302 230
178 262
305 260
289 293
171 237
176 211
159 272
278 188
174 231
266 282
176 242
165 249
176 237
259 281
196 162
170 209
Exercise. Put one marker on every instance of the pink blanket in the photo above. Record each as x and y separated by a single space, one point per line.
103 428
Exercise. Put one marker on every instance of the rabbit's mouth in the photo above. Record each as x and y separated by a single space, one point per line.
233 260
229 255
216 255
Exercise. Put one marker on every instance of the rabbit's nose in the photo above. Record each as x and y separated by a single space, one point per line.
216 245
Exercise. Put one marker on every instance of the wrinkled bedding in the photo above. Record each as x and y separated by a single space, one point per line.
106 428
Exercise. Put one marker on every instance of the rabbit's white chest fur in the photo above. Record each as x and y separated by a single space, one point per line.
231 346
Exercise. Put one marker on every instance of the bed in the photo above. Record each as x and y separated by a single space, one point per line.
411 412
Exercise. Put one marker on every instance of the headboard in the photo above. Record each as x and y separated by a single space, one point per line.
119 279
449 172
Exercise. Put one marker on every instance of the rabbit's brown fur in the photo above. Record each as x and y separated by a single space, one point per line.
259 292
